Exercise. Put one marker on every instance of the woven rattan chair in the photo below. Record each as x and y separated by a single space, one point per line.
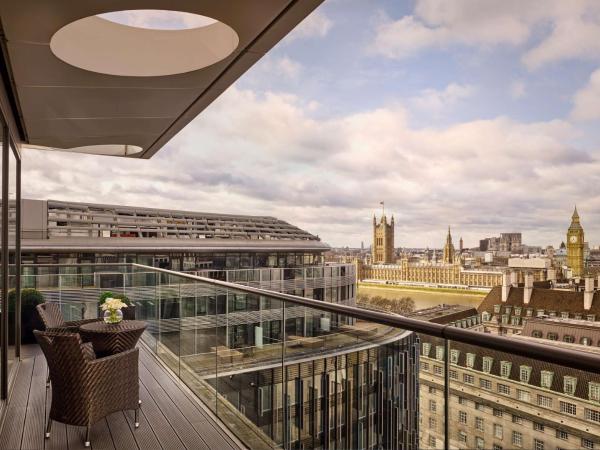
86 389
53 319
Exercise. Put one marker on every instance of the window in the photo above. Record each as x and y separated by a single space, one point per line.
462 417
454 356
487 364
470 360
529 312
525 374
515 320
485 384
479 443
585 341
569 385
497 412
564 315
497 309
432 422
517 310
552 336
517 419
568 408
498 431
479 423
432 406
462 437
424 365
544 401
462 401
454 374
538 426
479 406
592 414
546 379
503 389
590 317
505 319
432 441
594 391
497 447
538 445
505 367
432 390
569 338
560 434
540 312
439 352
537 334
265 399
485 316
523 395
517 438
468 378
586 443
426 348
438 370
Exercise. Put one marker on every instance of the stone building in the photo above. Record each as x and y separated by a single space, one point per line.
383 241
503 401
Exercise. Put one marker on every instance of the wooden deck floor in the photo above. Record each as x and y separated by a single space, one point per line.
170 417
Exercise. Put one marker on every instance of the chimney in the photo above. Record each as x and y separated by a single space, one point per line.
514 278
505 285
588 294
551 275
528 289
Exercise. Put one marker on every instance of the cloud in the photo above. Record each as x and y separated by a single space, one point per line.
517 89
277 66
586 103
317 25
255 153
435 101
553 30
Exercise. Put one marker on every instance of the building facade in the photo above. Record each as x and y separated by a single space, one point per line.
575 246
383 241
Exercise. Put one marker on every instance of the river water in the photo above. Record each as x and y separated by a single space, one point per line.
425 299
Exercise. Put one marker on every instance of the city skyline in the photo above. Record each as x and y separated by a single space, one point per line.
481 118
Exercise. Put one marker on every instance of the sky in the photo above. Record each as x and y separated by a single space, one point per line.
479 115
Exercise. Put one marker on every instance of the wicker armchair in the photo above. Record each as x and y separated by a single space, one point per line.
86 389
53 319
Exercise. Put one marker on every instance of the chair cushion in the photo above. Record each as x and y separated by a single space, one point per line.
88 351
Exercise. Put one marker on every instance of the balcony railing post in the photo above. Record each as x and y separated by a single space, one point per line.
446 394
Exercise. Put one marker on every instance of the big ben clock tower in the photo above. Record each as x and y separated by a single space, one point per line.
575 246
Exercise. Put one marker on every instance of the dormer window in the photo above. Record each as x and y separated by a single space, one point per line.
564 315
487 364
586 341
517 310
552 336
540 312
529 312
497 309
426 348
505 367
546 379
505 318
578 316
552 313
569 385
454 354
594 391
507 309
515 320
569 338
439 352
525 374
485 316
470 360
591 317
537 334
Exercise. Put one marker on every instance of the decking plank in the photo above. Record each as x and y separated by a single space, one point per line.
36 407
121 433
58 434
12 430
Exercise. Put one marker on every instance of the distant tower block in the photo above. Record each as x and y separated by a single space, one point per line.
575 243
383 241
448 257
460 245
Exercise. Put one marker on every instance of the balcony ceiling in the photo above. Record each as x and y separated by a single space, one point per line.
124 105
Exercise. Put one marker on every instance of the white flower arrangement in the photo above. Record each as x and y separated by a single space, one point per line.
113 304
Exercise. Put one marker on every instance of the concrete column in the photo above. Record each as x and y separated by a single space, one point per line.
528 290
514 278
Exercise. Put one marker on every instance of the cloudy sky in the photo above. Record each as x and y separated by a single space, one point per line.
482 115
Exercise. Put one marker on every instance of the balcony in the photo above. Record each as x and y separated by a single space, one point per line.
280 371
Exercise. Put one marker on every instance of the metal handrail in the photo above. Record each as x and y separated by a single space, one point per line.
565 357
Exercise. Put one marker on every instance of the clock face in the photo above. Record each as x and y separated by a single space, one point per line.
573 239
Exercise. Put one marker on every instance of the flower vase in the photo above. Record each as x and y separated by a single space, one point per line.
113 316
